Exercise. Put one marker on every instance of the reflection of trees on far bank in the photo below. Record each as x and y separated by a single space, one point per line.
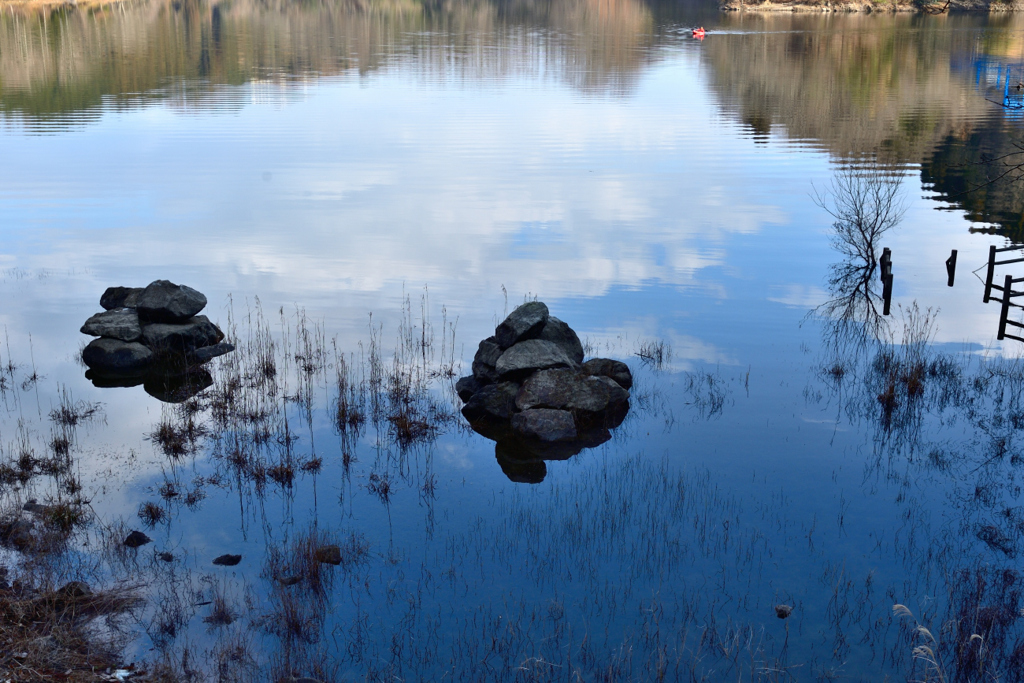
70 61
858 86
906 89
979 170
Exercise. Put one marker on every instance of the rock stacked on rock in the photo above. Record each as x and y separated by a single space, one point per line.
151 334
532 393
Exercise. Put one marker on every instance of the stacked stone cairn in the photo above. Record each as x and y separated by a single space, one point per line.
533 394
153 335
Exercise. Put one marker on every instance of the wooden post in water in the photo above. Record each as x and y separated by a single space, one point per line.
951 268
991 272
887 293
885 263
1005 310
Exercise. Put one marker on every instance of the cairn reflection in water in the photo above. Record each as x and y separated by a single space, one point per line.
531 392
153 336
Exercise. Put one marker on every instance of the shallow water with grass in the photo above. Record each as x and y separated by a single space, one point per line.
804 488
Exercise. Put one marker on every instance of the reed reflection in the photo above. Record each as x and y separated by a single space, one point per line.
947 423
939 421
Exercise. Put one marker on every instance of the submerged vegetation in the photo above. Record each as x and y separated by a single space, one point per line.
356 554
334 601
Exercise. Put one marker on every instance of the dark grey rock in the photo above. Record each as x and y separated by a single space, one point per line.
488 352
290 580
227 560
117 357
486 357
529 356
181 338
519 469
107 380
486 374
119 323
120 297
177 387
328 554
545 424
208 353
522 323
165 557
552 450
136 539
164 301
467 386
492 402
492 428
591 436
597 394
617 370
549 389
559 333
599 404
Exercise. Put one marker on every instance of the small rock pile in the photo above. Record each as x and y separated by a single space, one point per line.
153 330
531 392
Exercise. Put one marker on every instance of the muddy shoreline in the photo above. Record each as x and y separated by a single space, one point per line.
922 7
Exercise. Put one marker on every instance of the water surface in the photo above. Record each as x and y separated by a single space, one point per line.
356 177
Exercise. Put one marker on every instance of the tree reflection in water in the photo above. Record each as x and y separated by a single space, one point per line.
864 205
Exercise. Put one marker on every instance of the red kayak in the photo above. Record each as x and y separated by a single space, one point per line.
698 32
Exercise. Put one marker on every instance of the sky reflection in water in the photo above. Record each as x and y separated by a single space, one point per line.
660 191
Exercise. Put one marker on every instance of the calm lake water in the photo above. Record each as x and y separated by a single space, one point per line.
368 188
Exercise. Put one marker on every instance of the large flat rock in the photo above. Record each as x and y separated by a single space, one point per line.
529 356
120 323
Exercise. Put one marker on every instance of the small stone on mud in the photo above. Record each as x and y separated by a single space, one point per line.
227 560
783 611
